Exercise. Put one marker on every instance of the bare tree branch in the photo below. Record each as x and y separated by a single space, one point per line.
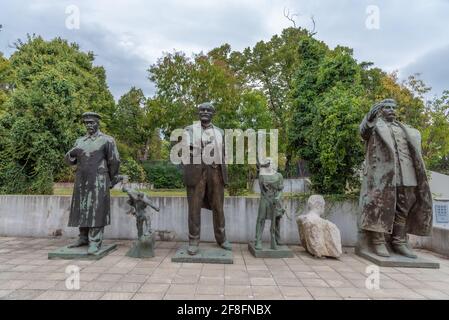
313 32
290 17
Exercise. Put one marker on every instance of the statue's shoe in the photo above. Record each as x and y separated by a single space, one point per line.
381 250
78 243
258 245
226 245
403 250
92 249
192 250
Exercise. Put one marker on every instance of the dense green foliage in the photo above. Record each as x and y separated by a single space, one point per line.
314 95
329 104
54 83
164 175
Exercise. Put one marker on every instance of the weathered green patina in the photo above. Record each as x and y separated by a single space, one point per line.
80 253
97 166
270 207
204 255
139 202
395 197
268 253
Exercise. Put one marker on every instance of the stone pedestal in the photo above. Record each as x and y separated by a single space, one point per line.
142 248
267 252
80 253
395 260
206 254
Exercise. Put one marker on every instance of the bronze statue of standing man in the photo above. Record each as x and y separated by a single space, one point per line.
395 197
97 166
205 179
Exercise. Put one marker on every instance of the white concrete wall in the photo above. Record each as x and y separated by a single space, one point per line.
439 185
42 216
437 242
118 186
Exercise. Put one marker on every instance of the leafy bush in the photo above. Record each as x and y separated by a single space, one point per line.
133 170
237 179
163 175
54 83
329 104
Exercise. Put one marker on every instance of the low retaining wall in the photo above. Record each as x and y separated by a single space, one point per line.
42 216
290 185
438 242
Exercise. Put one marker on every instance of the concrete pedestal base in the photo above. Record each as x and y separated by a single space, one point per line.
204 255
142 248
267 252
80 253
396 260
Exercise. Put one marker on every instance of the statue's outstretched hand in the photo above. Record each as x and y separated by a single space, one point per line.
372 114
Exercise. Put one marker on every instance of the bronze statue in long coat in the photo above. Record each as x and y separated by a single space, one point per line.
97 166
395 197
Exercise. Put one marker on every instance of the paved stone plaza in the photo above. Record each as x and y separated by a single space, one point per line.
26 273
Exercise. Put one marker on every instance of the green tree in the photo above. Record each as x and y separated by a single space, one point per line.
182 83
329 103
270 66
131 124
54 83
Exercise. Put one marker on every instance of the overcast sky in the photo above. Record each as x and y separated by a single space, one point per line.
128 36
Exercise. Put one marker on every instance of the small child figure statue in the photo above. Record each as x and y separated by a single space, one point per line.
139 202
270 208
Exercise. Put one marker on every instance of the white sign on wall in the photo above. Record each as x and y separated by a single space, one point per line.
441 213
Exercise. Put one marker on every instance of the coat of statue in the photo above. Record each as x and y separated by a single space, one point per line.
98 162
378 194
270 208
192 172
395 197
205 176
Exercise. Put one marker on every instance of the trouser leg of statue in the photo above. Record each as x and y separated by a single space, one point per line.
139 225
405 200
82 238
95 239
260 225
273 234
378 243
89 236
195 197
278 231
215 195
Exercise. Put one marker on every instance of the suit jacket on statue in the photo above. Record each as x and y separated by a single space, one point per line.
193 172
378 192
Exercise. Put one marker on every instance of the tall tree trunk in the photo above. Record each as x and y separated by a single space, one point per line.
146 149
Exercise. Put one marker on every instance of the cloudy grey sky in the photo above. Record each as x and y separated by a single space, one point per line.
128 36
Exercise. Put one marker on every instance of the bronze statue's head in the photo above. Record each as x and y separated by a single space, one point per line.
92 122
206 112
388 109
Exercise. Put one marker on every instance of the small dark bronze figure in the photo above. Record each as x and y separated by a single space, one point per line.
270 207
139 203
